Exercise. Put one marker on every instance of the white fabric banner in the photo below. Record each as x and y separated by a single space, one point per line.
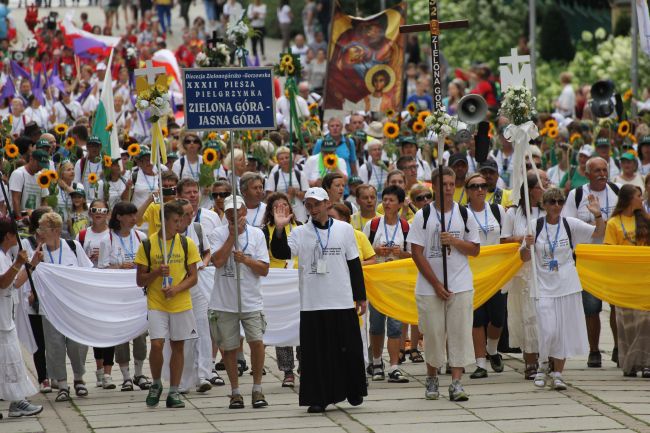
644 25
104 307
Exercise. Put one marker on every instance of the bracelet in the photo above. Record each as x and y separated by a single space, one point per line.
15 268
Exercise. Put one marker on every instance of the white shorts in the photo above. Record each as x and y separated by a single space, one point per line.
173 326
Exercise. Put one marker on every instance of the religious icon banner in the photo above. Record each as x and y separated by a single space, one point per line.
365 62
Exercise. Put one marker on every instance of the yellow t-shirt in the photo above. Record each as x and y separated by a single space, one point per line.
359 222
363 244
614 233
152 218
280 263
156 300
460 195
505 198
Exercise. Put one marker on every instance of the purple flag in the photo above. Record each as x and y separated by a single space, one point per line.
37 89
18 71
8 90
82 98
54 80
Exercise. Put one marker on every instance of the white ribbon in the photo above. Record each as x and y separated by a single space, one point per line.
519 136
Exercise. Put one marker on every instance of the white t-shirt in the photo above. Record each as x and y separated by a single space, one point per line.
255 216
386 235
94 242
555 174
564 281
62 115
284 15
32 194
234 11
118 250
283 186
607 199
459 274
89 167
8 296
331 290
260 10
192 170
208 219
375 176
311 168
515 223
224 294
489 228
66 257
143 187
115 190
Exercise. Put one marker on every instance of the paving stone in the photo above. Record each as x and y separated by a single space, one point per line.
536 411
571 423
460 427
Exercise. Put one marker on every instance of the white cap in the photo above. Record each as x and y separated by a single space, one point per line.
228 203
535 150
316 193
101 66
586 150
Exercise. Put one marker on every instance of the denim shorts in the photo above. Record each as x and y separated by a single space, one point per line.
591 304
379 323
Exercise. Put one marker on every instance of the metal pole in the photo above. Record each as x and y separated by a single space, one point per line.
532 17
634 68
235 191
441 201
162 199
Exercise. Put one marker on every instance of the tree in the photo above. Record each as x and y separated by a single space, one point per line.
555 40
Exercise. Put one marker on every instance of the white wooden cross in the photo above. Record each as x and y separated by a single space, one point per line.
510 72
150 71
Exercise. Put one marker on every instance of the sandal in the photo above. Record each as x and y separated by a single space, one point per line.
531 371
216 380
80 389
416 356
402 356
645 373
142 381
63 395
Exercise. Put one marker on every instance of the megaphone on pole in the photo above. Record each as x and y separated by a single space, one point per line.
601 103
472 109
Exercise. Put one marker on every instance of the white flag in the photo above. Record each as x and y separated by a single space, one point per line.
644 25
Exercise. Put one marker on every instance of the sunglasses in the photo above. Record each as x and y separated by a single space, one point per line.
216 195
99 210
190 141
559 202
424 197
477 186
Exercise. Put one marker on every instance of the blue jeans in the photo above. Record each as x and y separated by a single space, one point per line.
210 11
164 17
591 304
379 323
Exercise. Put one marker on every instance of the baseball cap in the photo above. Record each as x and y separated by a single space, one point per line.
144 151
42 157
644 140
457 157
489 164
328 145
78 189
229 203
602 141
43 143
93 139
317 193
101 66
406 139
586 150
629 156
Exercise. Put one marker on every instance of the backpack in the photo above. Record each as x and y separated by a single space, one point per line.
180 176
580 192
71 243
426 211
276 177
146 244
494 208
567 228
374 225
199 234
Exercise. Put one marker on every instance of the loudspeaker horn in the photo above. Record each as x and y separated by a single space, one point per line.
601 103
472 109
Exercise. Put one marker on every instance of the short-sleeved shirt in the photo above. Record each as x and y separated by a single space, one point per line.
366 251
119 250
607 199
151 218
25 183
459 274
224 294
156 299
620 230
489 227
386 235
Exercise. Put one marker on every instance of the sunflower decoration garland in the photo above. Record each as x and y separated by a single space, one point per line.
212 136
108 162
418 126
575 139
422 115
133 149
70 143
390 113
553 133
211 161
210 157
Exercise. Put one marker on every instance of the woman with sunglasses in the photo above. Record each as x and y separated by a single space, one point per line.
490 315
65 186
522 318
189 165
92 240
561 321
420 196
630 225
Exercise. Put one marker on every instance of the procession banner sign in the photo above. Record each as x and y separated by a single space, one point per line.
229 99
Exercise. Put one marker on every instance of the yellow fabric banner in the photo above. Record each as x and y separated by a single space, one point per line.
390 287
619 275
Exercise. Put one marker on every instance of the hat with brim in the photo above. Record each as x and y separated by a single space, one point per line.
230 202
586 150
328 146
316 193
94 140
43 143
456 158
628 156
645 140
407 139
78 190
144 151
42 157
172 155
375 130
602 141
489 164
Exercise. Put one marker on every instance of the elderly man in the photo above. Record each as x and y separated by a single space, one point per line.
345 148
252 188
576 206
603 148
409 147
315 167
19 117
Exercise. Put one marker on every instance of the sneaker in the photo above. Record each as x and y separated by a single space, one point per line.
183 391
496 362
153 398
431 391
457 392
236 402
127 385
558 382
258 400
595 360
45 387
540 379
100 378
479 373
289 380
23 408
396 376
204 385
174 401
107 382
378 372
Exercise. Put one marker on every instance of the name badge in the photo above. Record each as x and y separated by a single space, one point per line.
321 266
553 265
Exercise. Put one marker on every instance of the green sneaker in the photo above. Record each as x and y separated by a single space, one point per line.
154 395
174 401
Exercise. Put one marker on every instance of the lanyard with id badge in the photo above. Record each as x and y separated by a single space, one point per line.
553 265
321 264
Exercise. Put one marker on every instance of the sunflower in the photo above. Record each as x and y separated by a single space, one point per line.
107 161
553 133
7 141
391 130
43 180
412 108
543 131
330 161
624 128
632 138
315 119
287 59
575 136
390 113
212 136
551 124
69 143
633 153
61 129
133 149
313 106
165 131
53 175
627 95
93 178
418 126
109 127
209 156
423 115
291 69
11 151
